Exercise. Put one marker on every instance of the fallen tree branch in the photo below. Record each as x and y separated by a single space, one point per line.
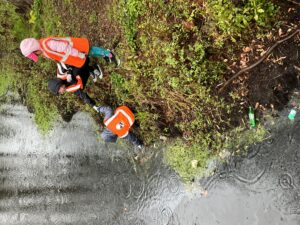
296 3
259 61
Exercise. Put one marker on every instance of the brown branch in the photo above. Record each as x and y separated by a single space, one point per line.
297 3
259 61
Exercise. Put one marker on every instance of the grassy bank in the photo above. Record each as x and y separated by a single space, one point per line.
21 75
173 56
11 28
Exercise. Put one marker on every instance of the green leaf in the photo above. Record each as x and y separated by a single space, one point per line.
260 10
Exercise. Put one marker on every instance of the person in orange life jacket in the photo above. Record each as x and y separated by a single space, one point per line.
118 124
73 80
68 50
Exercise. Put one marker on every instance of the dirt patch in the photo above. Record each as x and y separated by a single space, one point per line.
271 83
93 22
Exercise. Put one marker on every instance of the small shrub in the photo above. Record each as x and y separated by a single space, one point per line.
128 12
12 27
240 138
44 19
45 111
232 19
181 156
6 80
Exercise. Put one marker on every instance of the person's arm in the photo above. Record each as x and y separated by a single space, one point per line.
106 110
108 136
62 72
132 138
75 87
85 98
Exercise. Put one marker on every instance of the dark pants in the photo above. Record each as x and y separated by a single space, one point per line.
108 136
84 73
85 98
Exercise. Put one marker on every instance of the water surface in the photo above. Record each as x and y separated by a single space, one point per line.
71 177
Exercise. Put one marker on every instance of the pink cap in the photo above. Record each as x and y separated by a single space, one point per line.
28 46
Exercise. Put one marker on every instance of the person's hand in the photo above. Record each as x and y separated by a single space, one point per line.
69 78
62 89
81 55
97 108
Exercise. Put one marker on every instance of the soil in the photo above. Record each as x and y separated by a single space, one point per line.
272 83
105 33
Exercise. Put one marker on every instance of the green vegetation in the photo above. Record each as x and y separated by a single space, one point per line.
181 155
6 80
233 18
12 27
16 72
44 21
171 62
43 105
172 67
239 142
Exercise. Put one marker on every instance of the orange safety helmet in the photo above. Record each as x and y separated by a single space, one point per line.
121 121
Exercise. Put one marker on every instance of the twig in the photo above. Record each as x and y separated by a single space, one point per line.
297 3
277 76
297 68
259 61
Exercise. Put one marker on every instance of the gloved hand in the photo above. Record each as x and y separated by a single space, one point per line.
69 78
97 108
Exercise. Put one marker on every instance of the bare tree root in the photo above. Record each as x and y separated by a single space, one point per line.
258 62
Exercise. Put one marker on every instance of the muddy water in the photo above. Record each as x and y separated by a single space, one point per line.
70 177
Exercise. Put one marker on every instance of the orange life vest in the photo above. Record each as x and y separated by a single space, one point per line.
81 44
121 121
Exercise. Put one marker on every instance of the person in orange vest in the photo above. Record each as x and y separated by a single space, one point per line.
118 124
73 79
68 50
